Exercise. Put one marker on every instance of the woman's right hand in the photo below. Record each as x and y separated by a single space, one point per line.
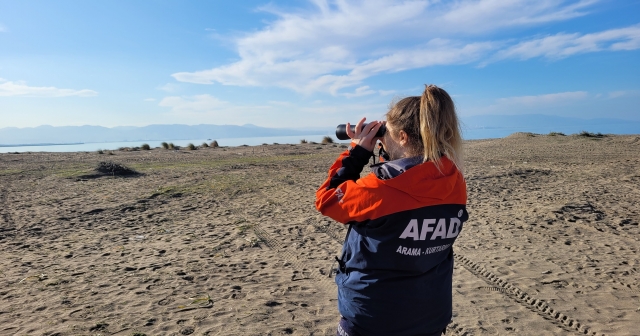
365 138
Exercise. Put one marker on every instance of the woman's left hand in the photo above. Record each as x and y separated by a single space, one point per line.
365 137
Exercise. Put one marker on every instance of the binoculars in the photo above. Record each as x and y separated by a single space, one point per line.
341 131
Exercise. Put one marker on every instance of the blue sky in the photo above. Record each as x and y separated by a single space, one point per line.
311 63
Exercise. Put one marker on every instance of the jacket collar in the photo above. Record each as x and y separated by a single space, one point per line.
390 169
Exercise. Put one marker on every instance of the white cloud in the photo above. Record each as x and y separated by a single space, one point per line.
341 43
359 92
169 87
206 108
194 104
563 45
21 89
280 103
626 93
552 98
386 92
3 29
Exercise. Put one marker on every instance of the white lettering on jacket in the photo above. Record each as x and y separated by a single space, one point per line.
441 230
339 194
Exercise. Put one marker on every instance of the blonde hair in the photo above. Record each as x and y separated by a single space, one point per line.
431 124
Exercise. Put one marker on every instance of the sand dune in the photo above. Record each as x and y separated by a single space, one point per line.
227 241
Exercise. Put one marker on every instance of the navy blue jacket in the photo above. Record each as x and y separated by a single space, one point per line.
396 270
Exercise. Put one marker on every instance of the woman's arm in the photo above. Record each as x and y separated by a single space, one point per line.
344 172
346 168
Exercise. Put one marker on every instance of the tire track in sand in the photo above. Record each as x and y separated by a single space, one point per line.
7 225
540 307
554 239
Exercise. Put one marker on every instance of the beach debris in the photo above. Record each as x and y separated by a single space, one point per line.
99 327
112 168
254 242
204 301
39 277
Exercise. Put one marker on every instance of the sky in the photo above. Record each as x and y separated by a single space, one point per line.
316 63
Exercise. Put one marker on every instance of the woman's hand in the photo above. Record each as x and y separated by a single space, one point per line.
365 138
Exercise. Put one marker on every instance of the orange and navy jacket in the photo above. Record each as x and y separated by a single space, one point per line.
396 269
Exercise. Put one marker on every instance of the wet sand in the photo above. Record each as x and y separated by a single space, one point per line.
227 241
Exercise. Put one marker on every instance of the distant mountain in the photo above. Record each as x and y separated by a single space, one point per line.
502 125
474 127
87 134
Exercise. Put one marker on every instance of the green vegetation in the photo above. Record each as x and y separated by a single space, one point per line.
172 146
242 229
556 134
191 147
165 145
71 172
303 141
204 145
10 172
145 147
214 144
100 151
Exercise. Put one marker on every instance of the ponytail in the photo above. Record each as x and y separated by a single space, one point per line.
439 127
431 124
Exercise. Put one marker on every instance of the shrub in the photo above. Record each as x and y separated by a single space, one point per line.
145 147
165 145
327 140
214 144
265 144
112 168
303 141
590 135
313 142
204 145
191 147
171 146
556 134
100 151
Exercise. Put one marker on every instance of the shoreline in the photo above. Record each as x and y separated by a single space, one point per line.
140 143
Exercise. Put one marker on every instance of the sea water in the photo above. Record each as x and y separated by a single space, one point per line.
467 133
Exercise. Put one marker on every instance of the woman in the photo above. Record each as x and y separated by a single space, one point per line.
395 274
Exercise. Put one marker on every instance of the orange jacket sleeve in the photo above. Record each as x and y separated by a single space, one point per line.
343 177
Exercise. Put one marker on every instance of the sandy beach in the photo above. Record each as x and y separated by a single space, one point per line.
227 241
